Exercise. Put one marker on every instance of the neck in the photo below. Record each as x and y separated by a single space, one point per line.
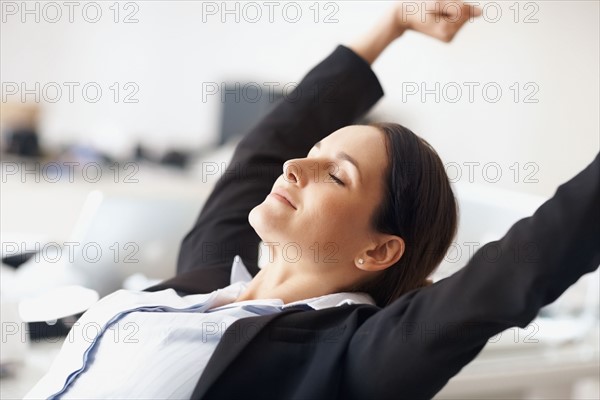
291 282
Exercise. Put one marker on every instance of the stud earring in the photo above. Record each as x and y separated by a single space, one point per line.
361 261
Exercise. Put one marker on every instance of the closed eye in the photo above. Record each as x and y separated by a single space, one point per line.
337 180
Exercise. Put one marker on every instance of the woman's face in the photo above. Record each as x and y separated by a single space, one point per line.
334 191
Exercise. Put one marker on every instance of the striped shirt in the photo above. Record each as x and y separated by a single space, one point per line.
135 344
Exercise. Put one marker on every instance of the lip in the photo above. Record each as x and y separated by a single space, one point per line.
283 196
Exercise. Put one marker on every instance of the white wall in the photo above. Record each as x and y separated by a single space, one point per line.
170 52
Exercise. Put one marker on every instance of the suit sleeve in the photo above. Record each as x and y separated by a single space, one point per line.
416 344
335 93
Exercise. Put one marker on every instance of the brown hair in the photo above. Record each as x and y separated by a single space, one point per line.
419 206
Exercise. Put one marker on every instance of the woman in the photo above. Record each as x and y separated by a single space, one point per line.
368 213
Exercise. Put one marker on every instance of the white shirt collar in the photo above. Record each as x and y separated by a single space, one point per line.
239 273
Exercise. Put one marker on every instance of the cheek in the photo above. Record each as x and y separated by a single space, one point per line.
335 215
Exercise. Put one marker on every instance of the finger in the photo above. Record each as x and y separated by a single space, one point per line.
453 9
446 31
458 10
475 11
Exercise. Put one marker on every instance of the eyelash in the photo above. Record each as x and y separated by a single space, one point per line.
337 180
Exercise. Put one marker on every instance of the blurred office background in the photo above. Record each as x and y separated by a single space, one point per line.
155 95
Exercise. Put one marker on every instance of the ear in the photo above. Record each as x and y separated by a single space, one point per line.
384 253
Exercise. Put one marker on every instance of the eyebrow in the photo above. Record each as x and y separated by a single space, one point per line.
344 156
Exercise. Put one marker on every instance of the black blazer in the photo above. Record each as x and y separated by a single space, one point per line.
409 349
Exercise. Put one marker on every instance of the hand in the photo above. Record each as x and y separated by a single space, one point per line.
439 19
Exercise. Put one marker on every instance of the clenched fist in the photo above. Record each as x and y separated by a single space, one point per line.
439 19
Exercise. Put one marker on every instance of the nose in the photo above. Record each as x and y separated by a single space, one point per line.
293 172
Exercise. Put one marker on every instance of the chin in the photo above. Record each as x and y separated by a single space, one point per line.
266 224
254 218
259 221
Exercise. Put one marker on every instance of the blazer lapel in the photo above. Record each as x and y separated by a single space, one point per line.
234 340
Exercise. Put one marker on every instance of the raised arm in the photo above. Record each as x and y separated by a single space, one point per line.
333 94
